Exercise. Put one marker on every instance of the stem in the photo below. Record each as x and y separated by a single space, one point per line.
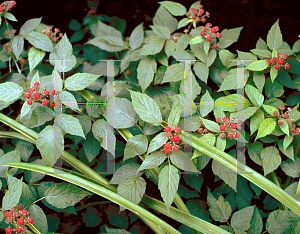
91 204
7 134
276 181
297 141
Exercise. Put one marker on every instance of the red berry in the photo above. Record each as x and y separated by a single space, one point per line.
232 118
275 113
192 9
29 101
278 54
230 135
168 129
28 95
201 11
223 135
203 20
208 25
46 93
36 95
224 119
275 58
217 28
209 38
1 9
239 122
194 17
280 61
205 29
233 126
6 214
280 122
13 209
282 107
287 66
292 121
167 145
200 6
30 90
175 138
24 233
45 102
52 104
277 67
8 230
286 116
53 92
222 128
219 35
167 151
236 135
56 30
13 3
175 39
213 30
20 221
195 11
177 129
205 130
24 212
270 61
290 109
10 214
200 130
18 230
5 46
37 84
168 134
202 33
215 46
20 207
285 56
218 119
175 147
30 220
207 13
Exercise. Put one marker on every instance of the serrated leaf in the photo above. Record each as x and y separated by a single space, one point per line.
136 145
125 172
12 197
18 45
174 73
291 168
104 133
225 174
287 141
40 219
62 195
266 127
174 116
153 160
259 80
157 142
153 45
241 219
274 37
136 37
161 31
30 25
25 109
220 209
174 8
164 18
80 81
255 120
196 40
258 65
271 159
285 127
262 53
280 221
182 161
145 72
226 56
168 184
50 143
35 56
69 100
10 91
201 71
170 47
254 95
183 22
211 125
254 151
229 36
273 73
40 41
71 125
206 104
9 16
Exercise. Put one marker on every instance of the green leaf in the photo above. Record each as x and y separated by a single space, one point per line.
40 219
229 36
168 184
259 80
291 168
145 72
255 120
25 109
133 188
233 80
40 41
108 43
74 25
35 78
221 143
211 125
241 219
270 109
274 89
10 16
161 31
280 222
271 159
220 209
206 104
80 81
256 222
274 37
258 65
226 56
30 25
157 142
262 53
265 128
136 37
174 8
153 160
246 55
182 161
289 152
254 151
123 112
273 73
62 195
12 197
211 57
153 45
71 125
69 100
10 91
178 55
170 47
225 174
287 141
105 30
56 81
190 88
196 40
96 106
18 45
184 22
174 116
104 135
201 71
254 95
50 143
125 172
285 127
164 18
146 107
229 103
35 56
136 145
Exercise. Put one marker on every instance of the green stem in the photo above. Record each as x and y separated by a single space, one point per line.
297 149
6 134
91 204
277 182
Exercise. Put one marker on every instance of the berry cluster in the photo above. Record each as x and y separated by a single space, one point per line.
174 139
53 35
18 218
210 32
280 61
228 126
285 114
5 6
198 14
43 97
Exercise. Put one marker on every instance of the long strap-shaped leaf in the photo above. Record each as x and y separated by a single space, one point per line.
97 189
245 171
